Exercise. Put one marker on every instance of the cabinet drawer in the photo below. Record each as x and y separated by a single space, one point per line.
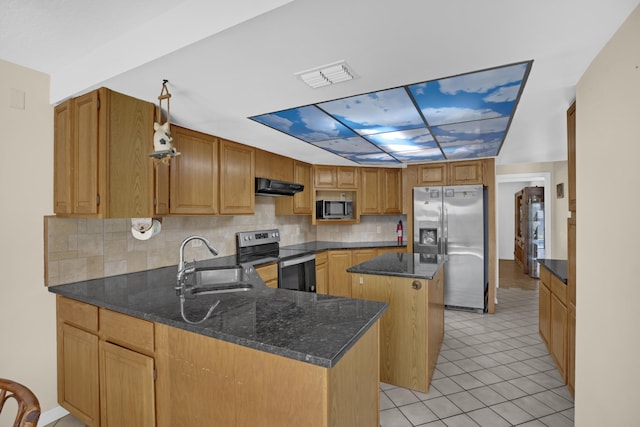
127 331
321 258
77 313
559 289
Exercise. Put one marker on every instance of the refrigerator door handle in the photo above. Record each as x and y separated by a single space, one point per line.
445 228
440 240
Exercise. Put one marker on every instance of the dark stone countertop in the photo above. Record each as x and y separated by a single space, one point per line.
558 267
317 329
413 265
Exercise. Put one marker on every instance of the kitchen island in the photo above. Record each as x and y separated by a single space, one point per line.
412 329
269 357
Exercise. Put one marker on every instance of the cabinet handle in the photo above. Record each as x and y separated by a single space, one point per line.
416 285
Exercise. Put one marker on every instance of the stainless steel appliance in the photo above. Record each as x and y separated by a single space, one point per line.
326 209
272 187
451 221
296 267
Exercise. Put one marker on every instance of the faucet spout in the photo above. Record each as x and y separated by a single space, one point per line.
182 268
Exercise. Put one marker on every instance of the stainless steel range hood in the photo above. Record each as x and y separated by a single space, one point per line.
272 187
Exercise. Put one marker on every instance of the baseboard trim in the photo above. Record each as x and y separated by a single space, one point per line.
52 415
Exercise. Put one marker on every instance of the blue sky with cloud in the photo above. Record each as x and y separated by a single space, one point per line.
468 114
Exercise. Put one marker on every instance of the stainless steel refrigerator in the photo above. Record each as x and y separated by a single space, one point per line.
451 221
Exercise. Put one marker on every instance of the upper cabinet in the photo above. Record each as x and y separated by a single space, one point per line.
380 191
336 177
237 184
102 167
194 173
453 173
301 203
274 166
571 151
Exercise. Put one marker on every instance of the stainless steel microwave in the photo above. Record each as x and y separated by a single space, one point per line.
326 209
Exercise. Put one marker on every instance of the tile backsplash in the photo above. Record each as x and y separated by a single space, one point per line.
81 249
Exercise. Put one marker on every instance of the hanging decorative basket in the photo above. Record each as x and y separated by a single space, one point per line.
162 139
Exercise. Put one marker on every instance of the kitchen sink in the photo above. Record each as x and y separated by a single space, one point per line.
218 281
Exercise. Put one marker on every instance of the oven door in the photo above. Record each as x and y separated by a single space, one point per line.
298 274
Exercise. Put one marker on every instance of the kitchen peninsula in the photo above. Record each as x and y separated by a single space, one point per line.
268 357
412 329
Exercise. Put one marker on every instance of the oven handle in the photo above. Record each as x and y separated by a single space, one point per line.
295 261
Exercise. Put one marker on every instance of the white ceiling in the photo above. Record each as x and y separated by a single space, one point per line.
227 60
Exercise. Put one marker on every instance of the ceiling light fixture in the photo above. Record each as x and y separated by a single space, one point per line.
326 74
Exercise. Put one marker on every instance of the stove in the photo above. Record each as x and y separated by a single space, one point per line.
296 267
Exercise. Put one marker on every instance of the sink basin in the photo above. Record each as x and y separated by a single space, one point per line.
218 281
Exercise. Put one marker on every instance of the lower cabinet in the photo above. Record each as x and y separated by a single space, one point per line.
557 342
269 274
544 311
339 283
571 348
412 328
106 373
322 276
556 328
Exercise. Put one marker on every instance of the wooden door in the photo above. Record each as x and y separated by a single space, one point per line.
85 154
339 279
464 173
237 184
303 201
127 389
62 158
370 191
435 174
391 191
78 384
544 312
194 173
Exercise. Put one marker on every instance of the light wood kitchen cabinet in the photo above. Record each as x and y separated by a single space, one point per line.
102 167
544 311
339 279
359 256
194 173
451 173
274 166
301 203
558 334
322 273
380 191
105 373
335 177
269 274
237 183
412 328
571 347
241 386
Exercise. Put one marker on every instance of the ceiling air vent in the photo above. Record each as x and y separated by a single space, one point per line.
326 74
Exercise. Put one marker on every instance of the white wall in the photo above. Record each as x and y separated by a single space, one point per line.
608 283
506 216
27 309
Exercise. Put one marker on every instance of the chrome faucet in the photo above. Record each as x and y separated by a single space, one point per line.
184 269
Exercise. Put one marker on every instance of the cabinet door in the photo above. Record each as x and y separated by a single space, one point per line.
325 177
322 279
194 173
78 389
571 347
370 191
62 158
339 279
361 255
559 335
432 174
462 173
127 392
269 274
571 259
303 201
129 168
237 184
85 154
391 191
544 312
161 188
347 177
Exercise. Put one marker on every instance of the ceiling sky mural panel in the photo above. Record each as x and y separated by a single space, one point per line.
459 117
